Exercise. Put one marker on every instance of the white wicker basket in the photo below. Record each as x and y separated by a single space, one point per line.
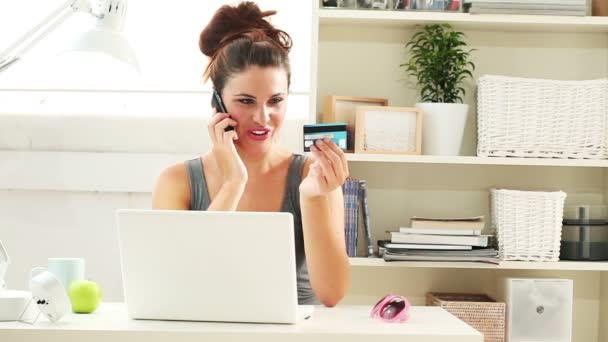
523 117
528 224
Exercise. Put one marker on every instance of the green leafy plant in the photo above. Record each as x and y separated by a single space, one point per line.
440 63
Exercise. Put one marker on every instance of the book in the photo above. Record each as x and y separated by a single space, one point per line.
382 247
366 222
439 231
489 252
526 2
529 6
389 256
476 222
350 189
475 10
406 246
478 241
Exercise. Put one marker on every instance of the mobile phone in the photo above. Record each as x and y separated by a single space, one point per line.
218 104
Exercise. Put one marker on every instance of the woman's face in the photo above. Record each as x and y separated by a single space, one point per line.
257 99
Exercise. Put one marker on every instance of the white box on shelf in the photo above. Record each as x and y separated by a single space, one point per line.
528 224
539 309
527 117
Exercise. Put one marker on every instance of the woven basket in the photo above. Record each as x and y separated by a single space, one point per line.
528 224
523 117
477 310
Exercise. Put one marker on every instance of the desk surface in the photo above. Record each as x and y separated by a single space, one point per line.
343 323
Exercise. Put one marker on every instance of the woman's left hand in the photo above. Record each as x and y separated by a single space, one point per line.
328 170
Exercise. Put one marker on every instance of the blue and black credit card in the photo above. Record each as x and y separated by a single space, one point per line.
335 131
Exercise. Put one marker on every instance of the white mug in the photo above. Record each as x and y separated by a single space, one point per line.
66 270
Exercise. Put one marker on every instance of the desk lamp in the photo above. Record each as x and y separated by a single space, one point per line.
105 36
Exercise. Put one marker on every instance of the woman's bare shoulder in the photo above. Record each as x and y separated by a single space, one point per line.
172 188
176 173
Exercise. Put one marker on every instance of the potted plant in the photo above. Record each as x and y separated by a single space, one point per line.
440 63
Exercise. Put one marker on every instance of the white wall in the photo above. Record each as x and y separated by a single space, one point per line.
36 224
63 176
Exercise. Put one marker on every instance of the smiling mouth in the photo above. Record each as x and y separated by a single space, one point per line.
259 134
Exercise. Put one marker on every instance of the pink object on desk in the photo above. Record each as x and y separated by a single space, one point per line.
392 308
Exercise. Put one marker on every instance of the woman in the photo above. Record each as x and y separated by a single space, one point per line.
246 170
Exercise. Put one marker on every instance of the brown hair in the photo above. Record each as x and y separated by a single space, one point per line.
239 36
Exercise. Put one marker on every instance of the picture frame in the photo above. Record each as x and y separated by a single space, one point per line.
344 109
388 130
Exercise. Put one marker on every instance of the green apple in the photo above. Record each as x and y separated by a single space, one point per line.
85 296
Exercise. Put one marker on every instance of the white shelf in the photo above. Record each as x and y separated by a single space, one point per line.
504 265
486 22
472 160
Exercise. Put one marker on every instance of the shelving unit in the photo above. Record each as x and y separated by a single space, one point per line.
359 55
504 265
465 21
472 160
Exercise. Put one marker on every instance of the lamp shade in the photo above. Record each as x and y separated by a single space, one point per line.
111 43
105 35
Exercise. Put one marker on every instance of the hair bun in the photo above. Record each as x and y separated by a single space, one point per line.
244 20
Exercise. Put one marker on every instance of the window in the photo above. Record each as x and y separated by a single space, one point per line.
164 36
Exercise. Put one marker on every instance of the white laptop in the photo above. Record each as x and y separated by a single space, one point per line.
209 266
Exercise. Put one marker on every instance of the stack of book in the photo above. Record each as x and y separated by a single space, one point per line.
441 239
355 195
532 7
350 188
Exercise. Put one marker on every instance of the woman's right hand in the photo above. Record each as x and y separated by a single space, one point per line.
228 160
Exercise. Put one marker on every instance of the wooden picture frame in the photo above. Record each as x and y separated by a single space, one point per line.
599 8
390 130
344 109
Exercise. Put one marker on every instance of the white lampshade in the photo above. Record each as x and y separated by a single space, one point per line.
108 42
105 35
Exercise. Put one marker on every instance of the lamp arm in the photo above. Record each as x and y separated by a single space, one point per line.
3 255
4 259
14 52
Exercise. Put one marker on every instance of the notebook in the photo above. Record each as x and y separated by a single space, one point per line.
176 266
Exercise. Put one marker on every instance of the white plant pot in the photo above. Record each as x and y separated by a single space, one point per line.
443 127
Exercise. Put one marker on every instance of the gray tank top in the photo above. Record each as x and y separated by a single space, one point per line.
199 200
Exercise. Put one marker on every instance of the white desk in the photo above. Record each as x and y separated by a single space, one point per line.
342 323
